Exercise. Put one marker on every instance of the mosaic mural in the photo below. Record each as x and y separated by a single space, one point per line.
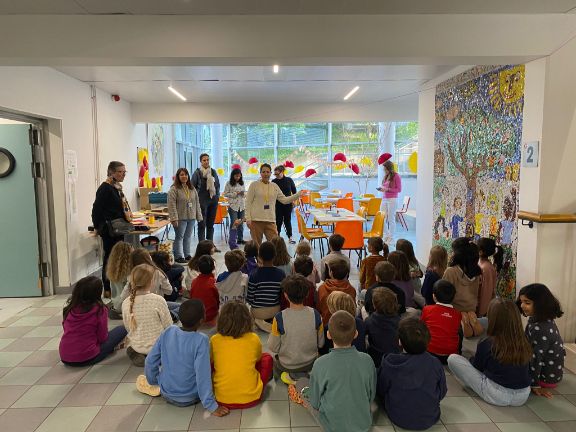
477 162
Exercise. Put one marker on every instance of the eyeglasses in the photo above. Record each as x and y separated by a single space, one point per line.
121 172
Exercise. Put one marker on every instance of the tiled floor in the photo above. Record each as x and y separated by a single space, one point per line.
38 393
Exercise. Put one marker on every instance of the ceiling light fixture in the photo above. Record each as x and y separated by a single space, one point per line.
349 95
276 68
173 90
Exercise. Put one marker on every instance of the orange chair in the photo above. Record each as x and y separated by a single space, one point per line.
314 197
349 195
368 195
311 234
362 213
345 203
222 219
373 206
305 197
400 213
353 235
377 226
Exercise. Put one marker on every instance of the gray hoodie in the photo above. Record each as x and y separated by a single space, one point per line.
232 287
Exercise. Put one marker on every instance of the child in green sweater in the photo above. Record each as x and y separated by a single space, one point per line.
342 384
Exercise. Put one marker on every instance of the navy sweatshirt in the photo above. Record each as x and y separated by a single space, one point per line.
400 296
412 387
509 376
382 332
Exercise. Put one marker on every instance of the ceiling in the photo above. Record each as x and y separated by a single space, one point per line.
258 84
283 7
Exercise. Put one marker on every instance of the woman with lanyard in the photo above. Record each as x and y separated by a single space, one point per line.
391 186
261 205
110 204
234 191
205 180
284 211
184 210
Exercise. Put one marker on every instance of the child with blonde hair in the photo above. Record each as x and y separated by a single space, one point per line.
144 313
303 249
337 301
117 271
241 370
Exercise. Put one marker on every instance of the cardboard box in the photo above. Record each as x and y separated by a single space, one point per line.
144 202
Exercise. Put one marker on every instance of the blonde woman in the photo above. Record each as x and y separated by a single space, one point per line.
145 314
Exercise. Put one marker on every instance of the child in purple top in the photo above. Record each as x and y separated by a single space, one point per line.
86 339
251 251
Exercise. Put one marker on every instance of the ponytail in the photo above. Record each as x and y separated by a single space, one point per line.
489 248
140 279
498 258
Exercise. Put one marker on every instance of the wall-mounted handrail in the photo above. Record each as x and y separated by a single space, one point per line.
531 217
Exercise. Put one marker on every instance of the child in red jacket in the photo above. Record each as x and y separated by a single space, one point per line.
204 288
443 321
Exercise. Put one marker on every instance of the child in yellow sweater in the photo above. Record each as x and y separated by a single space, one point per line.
240 369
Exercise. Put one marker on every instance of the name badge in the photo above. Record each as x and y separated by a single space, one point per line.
266 207
190 205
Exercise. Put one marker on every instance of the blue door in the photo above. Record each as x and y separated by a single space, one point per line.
19 252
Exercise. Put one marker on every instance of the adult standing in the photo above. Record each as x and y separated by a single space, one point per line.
284 211
261 205
205 180
184 210
391 187
235 192
110 204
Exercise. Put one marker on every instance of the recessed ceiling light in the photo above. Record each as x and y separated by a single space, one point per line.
173 90
349 95
276 68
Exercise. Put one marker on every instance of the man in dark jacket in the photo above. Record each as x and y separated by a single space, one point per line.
284 211
205 180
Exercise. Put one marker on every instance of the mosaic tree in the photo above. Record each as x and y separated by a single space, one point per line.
476 142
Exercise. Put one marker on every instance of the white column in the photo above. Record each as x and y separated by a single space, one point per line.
217 138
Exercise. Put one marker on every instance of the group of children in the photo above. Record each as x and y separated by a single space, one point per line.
337 347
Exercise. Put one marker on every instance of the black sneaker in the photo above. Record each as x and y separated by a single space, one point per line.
241 242
181 260
113 314
136 358
188 258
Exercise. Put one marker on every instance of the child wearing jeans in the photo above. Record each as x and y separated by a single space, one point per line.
145 314
297 332
241 370
178 366
443 322
499 373
232 284
412 384
86 339
342 383
117 271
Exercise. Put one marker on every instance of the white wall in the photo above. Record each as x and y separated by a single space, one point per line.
556 254
45 93
425 180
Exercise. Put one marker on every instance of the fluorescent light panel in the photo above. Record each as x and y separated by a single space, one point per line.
276 68
173 90
349 95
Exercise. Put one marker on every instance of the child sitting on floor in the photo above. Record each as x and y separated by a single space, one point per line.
173 272
303 249
338 301
443 322
297 332
145 314
342 383
86 339
241 370
385 273
251 253
412 384
178 366
117 271
204 288
204 247
336 242
375 246
303 265
337 281
382 325
232 284
282 259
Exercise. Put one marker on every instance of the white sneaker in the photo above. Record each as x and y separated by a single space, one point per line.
143 387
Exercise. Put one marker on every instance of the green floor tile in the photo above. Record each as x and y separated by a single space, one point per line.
78 419
462 410
43 396
524 427
266 414
166 417
556 409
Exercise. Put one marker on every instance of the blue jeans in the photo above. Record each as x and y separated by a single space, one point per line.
487 389
237 215
183 235
180 404
115 336
174 308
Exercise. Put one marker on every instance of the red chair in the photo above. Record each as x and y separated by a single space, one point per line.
400 213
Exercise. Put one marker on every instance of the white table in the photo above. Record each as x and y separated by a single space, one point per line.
335 216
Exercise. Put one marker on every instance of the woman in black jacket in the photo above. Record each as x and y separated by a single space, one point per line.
110 204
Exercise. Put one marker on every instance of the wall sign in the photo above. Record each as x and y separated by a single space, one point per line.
530 154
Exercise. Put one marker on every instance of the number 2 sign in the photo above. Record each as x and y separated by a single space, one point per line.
530 154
